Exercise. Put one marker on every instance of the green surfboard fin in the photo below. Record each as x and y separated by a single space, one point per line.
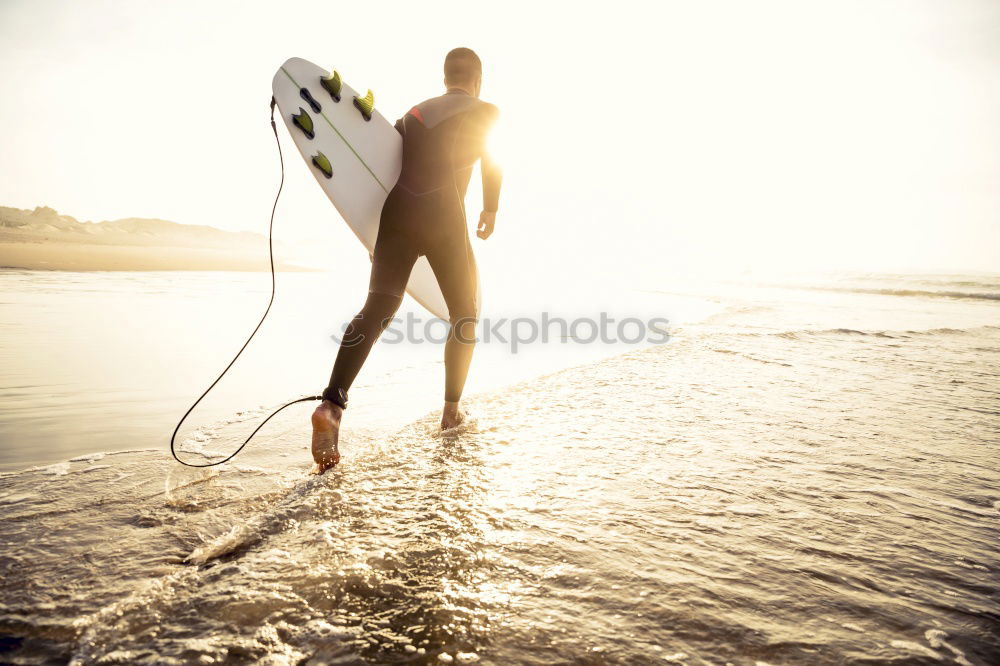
323 164
332 84
304 122
366 104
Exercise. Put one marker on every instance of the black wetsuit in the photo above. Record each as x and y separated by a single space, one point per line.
424 214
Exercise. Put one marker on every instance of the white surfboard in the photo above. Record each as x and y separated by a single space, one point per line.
364 156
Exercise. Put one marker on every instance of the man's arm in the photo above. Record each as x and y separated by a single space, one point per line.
492 180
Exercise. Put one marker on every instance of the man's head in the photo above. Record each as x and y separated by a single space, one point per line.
462 69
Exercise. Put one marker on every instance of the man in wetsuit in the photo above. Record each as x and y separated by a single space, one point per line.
424 214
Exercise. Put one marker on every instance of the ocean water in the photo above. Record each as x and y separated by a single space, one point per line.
806 473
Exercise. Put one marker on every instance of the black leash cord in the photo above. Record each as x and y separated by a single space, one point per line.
270 249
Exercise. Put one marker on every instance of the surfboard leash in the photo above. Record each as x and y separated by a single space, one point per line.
270 249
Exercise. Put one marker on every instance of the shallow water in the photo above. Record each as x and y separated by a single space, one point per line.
93 362
807 476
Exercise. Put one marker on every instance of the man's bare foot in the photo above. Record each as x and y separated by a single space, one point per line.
326 431
451 416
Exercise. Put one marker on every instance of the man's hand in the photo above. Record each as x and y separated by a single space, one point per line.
486 221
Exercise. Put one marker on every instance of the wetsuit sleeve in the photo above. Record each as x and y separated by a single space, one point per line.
492 173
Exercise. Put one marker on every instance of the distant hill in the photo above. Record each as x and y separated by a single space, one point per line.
42 238
44 222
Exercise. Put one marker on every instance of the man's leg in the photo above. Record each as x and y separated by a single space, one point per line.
359 337
455 268
392 262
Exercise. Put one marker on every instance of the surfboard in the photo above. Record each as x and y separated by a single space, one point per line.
354 153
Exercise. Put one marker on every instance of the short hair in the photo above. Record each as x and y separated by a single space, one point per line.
462 65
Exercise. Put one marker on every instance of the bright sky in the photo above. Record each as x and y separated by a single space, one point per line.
638 138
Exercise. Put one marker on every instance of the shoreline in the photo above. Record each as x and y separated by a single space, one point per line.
88 257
